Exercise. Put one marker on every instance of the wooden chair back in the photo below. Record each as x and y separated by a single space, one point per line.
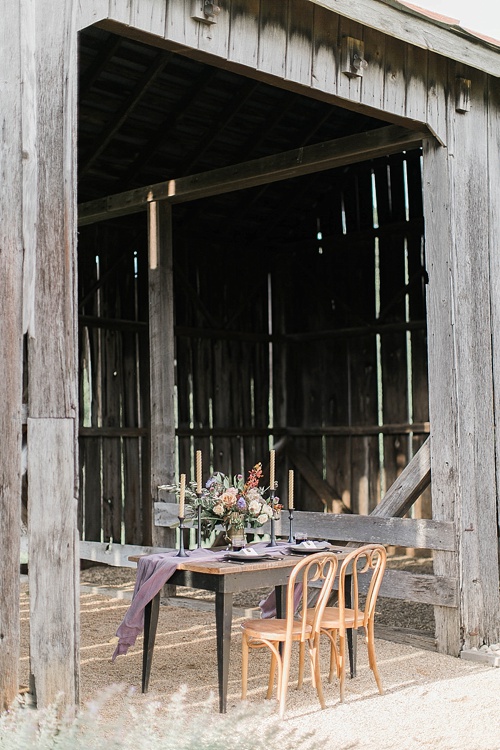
368 560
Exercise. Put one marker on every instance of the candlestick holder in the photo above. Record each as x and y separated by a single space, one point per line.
182 552
198 522
291 538
272 542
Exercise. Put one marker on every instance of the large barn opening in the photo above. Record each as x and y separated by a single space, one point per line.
299 304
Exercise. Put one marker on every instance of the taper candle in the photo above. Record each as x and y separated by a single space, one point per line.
198 472
290 489
181 496
272 457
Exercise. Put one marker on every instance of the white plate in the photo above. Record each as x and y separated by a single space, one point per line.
301 549
241 557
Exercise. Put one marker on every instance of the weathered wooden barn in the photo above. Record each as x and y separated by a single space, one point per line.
227 228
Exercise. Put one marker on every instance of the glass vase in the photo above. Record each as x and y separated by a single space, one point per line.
236 538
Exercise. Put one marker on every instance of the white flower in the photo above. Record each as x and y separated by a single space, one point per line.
267 510
218 509
262 518
254 507
253 494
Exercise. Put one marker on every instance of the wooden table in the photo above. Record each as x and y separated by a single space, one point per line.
226 579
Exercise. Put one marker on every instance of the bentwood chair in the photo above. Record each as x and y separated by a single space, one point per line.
366 566
303 628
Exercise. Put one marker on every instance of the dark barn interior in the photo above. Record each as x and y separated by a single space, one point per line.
299 305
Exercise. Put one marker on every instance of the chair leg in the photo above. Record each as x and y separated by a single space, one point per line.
342 640
302 653
272 672
244 666
334 658
315 668
283 676
370 642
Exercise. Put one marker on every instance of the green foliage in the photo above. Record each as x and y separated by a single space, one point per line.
172 727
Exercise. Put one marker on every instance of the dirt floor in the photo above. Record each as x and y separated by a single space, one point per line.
429 699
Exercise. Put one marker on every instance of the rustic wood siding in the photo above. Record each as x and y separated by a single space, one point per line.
114 390
53 368
294 44
11 258
461 388
327 382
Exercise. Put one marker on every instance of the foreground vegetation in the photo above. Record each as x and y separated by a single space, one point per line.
156 726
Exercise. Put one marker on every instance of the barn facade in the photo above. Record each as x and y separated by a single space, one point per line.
226 229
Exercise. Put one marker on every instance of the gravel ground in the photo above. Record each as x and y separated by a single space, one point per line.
430 700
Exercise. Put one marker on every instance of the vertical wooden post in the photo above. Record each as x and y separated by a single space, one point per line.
53 368
461 401
494 231
11 260
162 356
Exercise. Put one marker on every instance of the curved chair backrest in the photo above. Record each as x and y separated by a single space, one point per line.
321 566
363 561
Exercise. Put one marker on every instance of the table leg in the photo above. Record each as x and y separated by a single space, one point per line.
280 598
352 635
223 620
151 612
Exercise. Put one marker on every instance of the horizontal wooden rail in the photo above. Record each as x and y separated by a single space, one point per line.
418 533
417 428
401 532
116 555
113 432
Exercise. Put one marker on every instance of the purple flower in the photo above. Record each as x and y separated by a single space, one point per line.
210 482
241 503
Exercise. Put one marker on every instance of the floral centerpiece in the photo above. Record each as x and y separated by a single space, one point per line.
234 502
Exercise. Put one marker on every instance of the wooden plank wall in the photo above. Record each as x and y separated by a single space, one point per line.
332 378
114 383
348 385
53 369
11 360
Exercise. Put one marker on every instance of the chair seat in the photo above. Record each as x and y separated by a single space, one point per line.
272 629
331 618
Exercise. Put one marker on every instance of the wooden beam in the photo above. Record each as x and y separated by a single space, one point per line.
130 103
113 324
401 532
419 587
162 355
11 339
408 487
116 555
113 432
396 20
53 369
330 498
420 639
459 217
322 156
339 430
53 559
